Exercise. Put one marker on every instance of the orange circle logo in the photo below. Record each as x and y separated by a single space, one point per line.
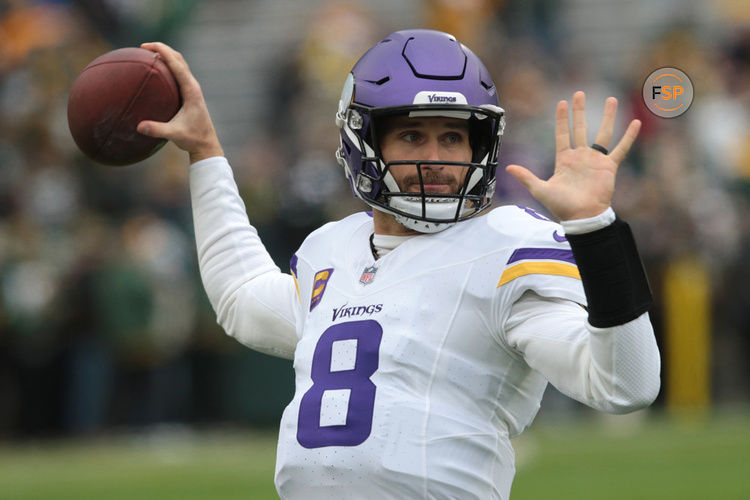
668 92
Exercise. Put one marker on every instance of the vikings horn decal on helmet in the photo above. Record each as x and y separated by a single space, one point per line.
422 73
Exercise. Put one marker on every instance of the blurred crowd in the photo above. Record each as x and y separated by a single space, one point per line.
103 320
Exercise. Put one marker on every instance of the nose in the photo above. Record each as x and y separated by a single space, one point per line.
432 153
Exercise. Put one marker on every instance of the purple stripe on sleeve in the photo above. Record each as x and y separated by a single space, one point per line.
542 254
293 264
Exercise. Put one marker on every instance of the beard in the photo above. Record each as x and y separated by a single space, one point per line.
446 183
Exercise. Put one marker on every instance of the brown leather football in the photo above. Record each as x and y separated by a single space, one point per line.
114 93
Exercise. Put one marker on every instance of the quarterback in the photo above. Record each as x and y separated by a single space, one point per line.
424 331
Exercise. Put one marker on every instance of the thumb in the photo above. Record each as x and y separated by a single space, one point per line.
524 176
154 129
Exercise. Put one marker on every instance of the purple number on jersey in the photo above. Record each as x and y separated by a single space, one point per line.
310 433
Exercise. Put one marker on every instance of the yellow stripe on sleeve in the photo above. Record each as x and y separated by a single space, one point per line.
525 268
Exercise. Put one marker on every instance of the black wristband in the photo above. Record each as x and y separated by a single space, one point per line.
613 278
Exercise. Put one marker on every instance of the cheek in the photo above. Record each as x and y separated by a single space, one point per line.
395 151
399 172
390 149
463 152
458 172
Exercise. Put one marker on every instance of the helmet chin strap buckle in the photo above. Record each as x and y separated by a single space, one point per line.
355 120
364 183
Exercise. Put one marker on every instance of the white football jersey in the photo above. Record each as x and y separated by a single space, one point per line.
405 386
413 371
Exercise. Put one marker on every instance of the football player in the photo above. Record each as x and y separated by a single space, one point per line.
425 331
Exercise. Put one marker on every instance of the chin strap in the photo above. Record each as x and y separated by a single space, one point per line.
422 226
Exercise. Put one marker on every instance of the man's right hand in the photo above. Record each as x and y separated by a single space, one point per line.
191 128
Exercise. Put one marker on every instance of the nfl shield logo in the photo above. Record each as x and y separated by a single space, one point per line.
368 275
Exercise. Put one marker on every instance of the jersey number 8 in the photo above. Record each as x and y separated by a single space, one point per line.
322 422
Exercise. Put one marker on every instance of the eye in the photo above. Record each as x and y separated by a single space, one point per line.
409 136
453 138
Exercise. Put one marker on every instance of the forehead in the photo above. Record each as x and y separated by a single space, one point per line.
396 122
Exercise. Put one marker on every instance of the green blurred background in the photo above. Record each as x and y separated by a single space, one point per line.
115 380
588 458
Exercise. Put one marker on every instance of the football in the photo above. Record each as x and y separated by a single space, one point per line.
114 93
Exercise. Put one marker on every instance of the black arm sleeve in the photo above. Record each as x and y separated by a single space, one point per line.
613 277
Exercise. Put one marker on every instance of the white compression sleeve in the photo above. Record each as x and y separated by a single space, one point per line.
253 300
612 369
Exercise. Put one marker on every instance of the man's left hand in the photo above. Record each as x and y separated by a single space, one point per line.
583 183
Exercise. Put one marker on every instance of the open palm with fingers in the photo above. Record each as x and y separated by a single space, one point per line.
583 182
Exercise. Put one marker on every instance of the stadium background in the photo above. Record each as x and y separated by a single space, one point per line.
109 348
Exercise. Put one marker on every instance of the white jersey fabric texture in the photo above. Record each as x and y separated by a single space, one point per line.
413 371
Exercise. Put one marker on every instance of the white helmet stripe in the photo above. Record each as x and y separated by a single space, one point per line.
389 181
476 176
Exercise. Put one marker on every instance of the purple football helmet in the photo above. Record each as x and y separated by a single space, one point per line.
419 73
